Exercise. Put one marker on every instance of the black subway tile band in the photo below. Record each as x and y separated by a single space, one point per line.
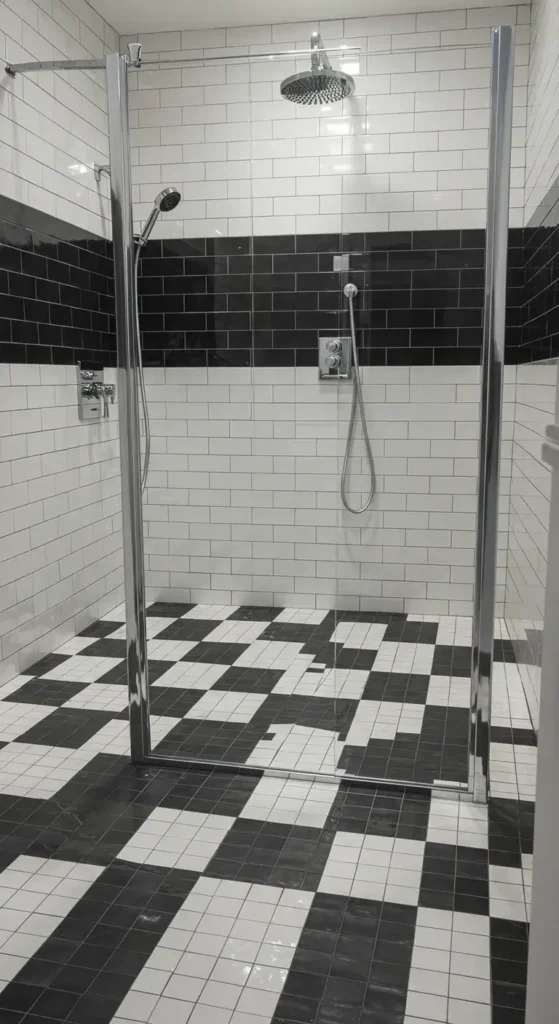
56 291
266 300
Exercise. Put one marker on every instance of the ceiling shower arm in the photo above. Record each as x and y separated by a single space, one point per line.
319 57
55 65
88 64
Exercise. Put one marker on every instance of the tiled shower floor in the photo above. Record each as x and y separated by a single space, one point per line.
361 693
163 895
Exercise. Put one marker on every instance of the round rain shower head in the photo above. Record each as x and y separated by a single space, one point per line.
322 86
167 199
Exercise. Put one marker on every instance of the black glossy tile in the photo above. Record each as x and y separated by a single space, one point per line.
46 691
67 727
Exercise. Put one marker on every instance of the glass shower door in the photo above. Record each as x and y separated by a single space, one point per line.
244 467
415 251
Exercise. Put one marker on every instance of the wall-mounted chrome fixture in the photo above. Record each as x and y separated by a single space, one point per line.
93 395
135 54
101 169
334 358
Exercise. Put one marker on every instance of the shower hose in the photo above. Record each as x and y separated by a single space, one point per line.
140 366
350 291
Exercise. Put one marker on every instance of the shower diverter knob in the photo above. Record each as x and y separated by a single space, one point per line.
333 345
333 362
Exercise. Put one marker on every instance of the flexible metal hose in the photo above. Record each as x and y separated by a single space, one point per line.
147 432
350 291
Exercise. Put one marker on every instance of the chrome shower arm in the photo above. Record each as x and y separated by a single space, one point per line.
319 57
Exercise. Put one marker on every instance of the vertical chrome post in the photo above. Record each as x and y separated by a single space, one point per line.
493 355
129 423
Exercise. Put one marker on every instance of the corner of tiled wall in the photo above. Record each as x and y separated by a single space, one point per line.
60 518
54 127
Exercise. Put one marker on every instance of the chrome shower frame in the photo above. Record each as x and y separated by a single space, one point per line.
129 418
117 68
491 409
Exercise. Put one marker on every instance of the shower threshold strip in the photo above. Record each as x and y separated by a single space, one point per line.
294 773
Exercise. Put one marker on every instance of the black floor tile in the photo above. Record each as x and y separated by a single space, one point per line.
169 609
46 664
188 629
255 613
101 628
105 647
67 727
46 691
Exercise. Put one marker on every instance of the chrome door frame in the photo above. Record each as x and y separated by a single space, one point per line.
498 189
491 409
128 413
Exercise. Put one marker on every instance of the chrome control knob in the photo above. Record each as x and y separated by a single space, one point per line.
333 345
333 362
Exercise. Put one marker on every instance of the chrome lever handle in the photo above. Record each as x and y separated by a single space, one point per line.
108 392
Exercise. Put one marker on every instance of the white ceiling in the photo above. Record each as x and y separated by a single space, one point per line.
131 16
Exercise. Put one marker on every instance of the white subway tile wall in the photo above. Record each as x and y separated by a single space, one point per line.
542 143
243 498
60 514
407 151
53 125
535 408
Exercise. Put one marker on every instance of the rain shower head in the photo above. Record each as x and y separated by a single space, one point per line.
163 203
321 84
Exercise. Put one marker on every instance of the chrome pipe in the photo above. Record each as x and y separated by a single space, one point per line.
136 62
92 64
339 51
492 368
317 48
13 69
129 422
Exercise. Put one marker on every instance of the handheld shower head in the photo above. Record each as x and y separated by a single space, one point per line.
321 84
165 201
168 199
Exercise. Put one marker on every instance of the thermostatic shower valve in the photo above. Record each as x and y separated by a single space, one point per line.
334 358
93 395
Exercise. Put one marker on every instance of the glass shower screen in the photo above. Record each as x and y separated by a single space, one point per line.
292 627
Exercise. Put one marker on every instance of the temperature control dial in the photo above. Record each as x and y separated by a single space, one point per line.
333 362
334 358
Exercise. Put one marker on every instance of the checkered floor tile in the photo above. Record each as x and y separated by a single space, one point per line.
134 895
361 694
